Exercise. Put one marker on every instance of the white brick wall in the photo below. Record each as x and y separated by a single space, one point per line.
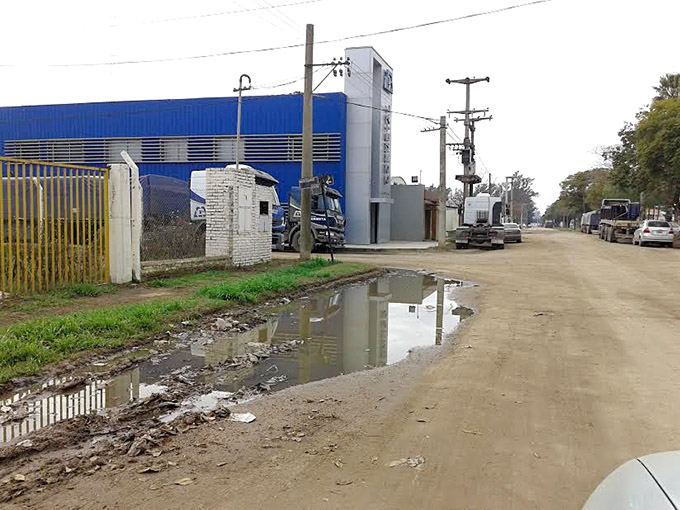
244 242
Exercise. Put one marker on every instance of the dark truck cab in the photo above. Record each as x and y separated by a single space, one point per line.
336 219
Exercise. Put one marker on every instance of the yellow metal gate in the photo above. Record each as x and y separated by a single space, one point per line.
53 225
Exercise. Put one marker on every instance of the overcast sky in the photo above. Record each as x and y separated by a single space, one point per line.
565 75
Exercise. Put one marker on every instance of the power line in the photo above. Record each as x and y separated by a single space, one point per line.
224 13
296 45
406 114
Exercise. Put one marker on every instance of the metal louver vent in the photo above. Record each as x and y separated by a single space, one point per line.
284 148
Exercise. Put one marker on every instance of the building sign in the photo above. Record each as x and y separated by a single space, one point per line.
386 155
387 80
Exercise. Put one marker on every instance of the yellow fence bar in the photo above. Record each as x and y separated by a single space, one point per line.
90 238
41 225
3 281
94 229
78 214
53 254
31 187
10 264
25 226
60 260
83 213
17 239
71 234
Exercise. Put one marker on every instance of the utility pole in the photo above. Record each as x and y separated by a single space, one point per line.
441 209
441 226
307 173
240 89
469 178
512 197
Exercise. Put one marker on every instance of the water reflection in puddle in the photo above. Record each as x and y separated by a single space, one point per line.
343 331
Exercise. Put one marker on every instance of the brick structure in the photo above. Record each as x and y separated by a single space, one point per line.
239 215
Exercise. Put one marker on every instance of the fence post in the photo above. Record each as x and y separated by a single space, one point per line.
120 232
136 220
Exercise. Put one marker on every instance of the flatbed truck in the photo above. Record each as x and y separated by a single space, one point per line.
619 219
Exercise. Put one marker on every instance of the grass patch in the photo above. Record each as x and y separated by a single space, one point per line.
190 280
26 347
60 297
263 286
77 290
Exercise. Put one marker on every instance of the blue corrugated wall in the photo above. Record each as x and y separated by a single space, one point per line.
185 117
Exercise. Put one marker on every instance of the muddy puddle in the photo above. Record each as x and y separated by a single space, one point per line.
317 337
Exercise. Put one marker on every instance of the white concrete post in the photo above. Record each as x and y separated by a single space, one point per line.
120 233
136 217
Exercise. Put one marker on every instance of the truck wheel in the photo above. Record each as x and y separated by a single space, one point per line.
295 242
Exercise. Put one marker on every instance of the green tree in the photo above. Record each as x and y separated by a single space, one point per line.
668 88
657 141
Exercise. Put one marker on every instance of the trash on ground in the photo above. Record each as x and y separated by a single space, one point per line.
184 481
242 417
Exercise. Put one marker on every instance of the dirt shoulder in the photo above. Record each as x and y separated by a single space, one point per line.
568 369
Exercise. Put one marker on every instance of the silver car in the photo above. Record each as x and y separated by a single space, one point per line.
654 231
513 234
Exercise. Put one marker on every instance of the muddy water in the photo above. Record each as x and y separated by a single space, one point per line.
333 333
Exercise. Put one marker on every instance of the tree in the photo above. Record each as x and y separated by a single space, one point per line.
657 141
668 88
455 198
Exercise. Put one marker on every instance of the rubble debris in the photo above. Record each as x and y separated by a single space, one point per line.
184 481
142 445
222 324
413 462
472 432
154 468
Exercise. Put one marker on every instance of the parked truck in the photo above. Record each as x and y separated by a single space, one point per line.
320 227
590 222
619 218
482 225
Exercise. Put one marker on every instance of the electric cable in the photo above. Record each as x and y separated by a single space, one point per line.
296 45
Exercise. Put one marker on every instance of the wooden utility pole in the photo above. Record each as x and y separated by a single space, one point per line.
441 209
441 226
307 172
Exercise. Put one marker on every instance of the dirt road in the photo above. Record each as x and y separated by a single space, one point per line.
570 367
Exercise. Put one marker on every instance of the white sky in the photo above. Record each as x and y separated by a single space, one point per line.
564 75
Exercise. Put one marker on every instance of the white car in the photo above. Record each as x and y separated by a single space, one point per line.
645 483
654 231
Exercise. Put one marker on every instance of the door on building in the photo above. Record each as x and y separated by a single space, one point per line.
374 223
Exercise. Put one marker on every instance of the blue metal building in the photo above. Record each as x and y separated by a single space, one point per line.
174 137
